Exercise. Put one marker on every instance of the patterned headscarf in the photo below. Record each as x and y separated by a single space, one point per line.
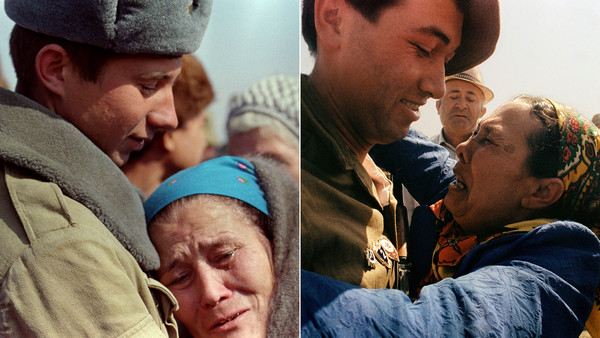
580 172
579 167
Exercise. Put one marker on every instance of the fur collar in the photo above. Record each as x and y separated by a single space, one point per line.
34 138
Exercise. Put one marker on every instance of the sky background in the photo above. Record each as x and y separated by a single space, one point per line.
246 40
546 48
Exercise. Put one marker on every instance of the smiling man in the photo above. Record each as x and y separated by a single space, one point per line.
459 109
376 64
95 81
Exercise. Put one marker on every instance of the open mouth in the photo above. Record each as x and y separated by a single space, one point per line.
138 143
227 320
458 185
411 105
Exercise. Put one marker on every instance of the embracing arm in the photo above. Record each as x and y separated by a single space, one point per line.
424 167
505 300
77 283
541 282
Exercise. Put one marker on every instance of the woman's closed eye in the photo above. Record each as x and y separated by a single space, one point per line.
478 137
224 258
178 279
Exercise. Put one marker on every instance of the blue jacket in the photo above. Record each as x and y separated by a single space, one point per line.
423 167
538 283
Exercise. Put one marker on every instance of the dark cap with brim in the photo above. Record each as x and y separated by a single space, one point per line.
172 27
480 33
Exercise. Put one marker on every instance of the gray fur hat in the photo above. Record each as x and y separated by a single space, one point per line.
165 27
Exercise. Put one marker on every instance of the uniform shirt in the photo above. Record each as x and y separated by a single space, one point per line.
341 213
73 236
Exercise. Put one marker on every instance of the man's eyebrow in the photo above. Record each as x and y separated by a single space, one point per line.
155 76
432 30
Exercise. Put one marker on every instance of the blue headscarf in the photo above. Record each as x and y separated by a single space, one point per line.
226 176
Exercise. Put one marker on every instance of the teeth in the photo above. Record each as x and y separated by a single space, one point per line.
410 105
460 185
229 319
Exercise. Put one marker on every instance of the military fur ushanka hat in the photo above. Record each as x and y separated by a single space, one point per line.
165 27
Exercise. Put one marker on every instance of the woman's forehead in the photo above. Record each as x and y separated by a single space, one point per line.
512 116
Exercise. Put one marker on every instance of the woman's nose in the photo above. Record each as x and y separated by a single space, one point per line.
463 151
211 288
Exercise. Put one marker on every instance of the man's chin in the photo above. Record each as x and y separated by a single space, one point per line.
397 136
120 159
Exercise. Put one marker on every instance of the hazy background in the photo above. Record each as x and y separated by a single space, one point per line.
246 40
547 48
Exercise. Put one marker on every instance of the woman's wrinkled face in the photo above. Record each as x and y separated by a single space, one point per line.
219 267
492 175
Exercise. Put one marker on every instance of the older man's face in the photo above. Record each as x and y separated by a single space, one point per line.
596 120
460 108
391 67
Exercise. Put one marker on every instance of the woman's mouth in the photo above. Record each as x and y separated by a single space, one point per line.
224 321
458 185
227 320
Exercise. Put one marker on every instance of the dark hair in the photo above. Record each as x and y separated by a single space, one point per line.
370 9
544 142
25 45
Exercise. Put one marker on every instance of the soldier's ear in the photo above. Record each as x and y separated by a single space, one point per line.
50 64
328 21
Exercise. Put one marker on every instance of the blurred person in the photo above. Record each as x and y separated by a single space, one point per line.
214 145
264 120
173 150
227 235
95 83
512 248
376 64
596 120
3 82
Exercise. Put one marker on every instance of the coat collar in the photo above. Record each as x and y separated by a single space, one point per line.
36 139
